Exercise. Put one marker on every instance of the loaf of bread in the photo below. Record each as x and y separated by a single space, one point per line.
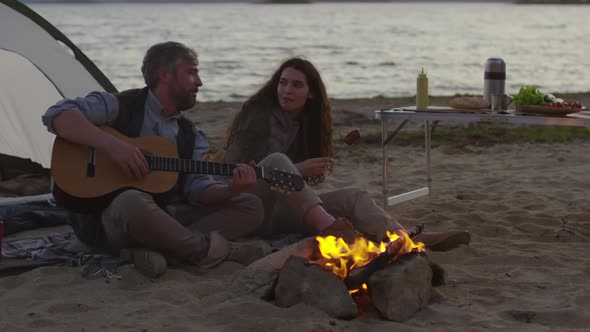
469 103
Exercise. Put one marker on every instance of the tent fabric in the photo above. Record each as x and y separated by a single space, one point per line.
38 67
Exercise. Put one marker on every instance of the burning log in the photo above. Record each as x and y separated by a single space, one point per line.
340 258
357 277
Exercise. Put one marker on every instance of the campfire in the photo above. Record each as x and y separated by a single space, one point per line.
344 280
347 261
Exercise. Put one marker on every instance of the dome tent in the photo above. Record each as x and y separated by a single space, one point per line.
38 67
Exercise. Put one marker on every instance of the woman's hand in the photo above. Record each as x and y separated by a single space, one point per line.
315 166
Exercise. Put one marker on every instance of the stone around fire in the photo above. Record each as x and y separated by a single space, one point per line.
309 283
401 289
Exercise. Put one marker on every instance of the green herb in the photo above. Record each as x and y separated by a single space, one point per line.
529 95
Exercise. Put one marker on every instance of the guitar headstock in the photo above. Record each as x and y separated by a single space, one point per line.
283 181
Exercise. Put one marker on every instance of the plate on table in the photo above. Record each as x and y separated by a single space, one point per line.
547 110
448 109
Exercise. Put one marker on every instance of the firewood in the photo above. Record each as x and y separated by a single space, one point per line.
357 277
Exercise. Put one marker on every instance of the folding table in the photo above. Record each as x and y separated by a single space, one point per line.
581 119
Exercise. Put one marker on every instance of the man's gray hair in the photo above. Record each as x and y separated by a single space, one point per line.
167 56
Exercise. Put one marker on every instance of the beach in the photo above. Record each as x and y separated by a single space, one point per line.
526 269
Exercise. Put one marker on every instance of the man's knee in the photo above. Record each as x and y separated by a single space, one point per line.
346 198
130 200
117 216
275 159
353 192
251 208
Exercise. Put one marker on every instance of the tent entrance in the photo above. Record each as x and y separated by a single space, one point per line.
25 92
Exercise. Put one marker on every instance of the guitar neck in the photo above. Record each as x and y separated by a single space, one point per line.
195 166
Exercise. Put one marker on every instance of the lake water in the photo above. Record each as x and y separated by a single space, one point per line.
361 50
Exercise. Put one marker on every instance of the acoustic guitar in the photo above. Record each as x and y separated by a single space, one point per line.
87 180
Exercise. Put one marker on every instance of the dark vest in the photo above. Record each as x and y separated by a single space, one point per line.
129 122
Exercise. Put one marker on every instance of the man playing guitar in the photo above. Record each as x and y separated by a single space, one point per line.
133 224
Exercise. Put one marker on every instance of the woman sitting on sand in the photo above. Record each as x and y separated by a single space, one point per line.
291 115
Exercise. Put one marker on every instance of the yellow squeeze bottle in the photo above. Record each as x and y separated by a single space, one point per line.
422 91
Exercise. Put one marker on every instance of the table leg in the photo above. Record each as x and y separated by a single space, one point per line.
384 158
403 197
427 146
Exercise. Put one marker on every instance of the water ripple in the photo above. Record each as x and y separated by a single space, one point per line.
352 44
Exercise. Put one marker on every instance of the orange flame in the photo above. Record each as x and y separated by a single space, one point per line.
340 258
364 287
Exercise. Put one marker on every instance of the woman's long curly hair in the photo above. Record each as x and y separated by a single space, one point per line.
317 114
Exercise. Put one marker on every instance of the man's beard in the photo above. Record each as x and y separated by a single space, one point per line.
183 99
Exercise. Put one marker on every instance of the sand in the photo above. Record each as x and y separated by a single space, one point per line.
527 268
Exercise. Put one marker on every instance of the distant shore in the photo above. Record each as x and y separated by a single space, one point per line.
552 2
522 2
285 2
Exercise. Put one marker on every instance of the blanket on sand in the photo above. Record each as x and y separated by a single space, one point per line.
58 249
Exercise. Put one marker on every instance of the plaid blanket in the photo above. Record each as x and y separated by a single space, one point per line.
58 249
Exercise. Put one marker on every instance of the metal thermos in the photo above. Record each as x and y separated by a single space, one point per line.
494 78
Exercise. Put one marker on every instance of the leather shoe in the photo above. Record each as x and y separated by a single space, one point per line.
148 262
248 252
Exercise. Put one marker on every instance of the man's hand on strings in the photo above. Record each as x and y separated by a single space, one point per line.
129 159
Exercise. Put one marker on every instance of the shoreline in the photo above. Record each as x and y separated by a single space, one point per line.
581 95
214 117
